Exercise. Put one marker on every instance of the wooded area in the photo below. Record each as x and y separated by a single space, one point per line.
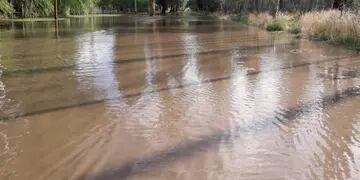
46 8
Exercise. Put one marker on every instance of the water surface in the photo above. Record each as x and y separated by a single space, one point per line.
142 97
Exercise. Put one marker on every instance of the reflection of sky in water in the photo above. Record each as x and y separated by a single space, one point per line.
240 91
96 73
199 101
145 113
191 47
268 85
151 66
254 103
94 61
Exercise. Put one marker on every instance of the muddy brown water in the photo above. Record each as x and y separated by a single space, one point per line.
134 97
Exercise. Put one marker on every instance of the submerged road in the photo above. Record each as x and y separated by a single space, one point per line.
136 97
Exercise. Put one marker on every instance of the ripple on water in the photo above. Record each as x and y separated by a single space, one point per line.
257 118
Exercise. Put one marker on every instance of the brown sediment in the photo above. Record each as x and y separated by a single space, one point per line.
174 98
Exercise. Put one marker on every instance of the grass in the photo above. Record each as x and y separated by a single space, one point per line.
260 19
294 27
336 27
282 22
333 26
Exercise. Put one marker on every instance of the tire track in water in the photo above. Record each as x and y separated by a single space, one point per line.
172 88
187 149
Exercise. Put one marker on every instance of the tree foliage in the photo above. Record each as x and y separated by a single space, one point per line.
5 7
43 8
123 5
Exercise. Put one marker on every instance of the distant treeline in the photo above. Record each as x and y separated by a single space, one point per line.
45 8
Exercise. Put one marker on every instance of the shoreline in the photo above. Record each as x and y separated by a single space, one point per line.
42 19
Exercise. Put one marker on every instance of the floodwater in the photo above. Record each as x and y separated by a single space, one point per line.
137 97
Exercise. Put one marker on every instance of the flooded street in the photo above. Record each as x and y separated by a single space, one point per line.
137 97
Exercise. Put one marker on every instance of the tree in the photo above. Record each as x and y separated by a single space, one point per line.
337 4
151 7
163 5
6 8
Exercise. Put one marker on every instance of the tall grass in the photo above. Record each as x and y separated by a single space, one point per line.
335 26
280 23
260 19
331 25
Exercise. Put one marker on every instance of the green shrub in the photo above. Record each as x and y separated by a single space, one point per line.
350 42
274 25
294 28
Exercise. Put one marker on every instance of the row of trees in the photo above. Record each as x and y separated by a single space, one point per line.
45 8
42 8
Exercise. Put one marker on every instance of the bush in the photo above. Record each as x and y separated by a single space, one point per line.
294 28
280 23
274 25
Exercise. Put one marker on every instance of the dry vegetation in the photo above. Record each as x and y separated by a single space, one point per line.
335 26
332 25
260 19
280 23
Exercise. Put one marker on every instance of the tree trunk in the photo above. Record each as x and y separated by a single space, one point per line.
337 4
27 9
277 9
151 7
163 6
55 9
200 5
257 6
281 5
